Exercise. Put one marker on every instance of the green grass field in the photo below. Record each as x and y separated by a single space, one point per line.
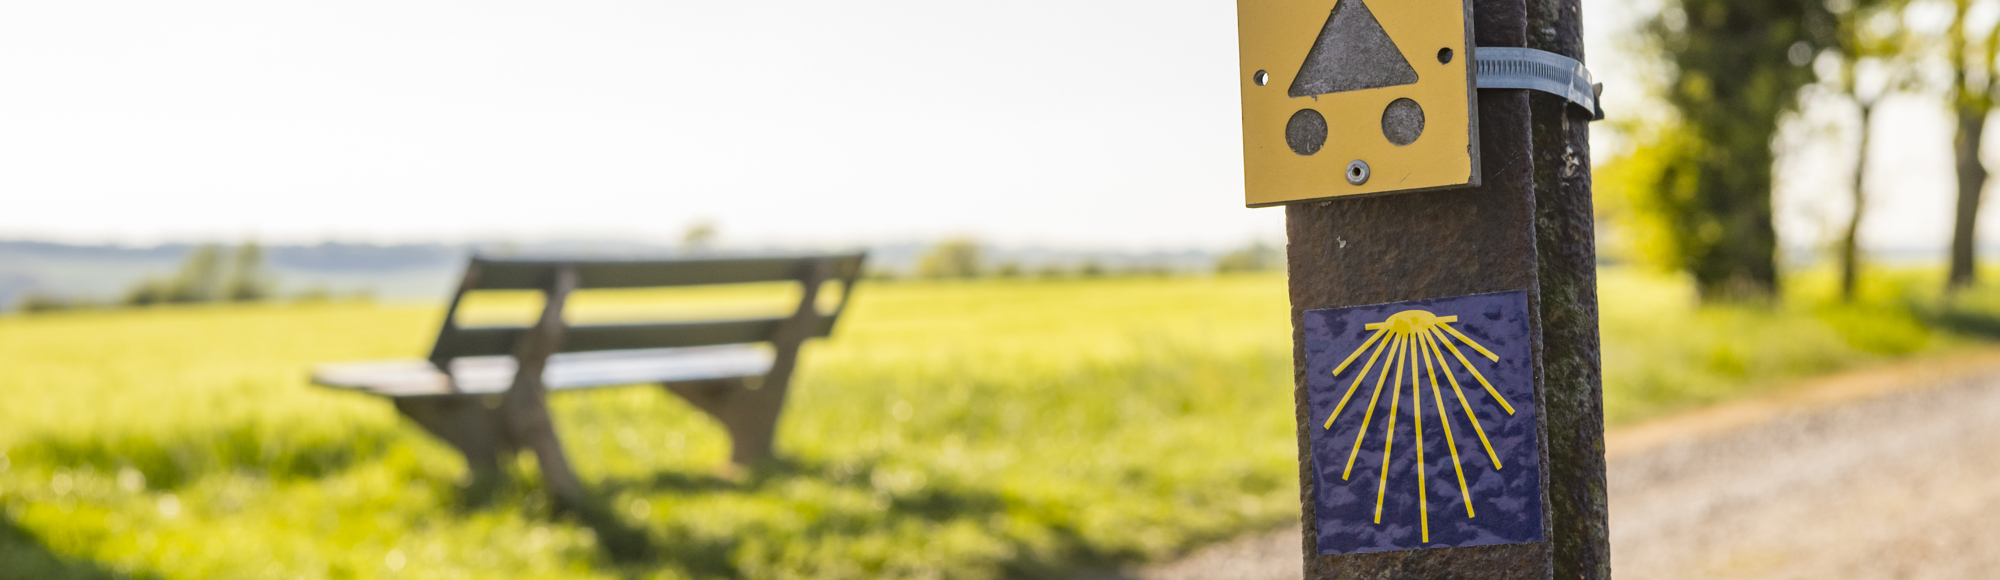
949 430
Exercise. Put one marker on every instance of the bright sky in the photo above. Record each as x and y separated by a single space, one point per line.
1101 123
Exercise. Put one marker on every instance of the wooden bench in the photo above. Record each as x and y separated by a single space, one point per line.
483 389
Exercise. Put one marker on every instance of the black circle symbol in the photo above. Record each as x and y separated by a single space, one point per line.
1306 132
1403 121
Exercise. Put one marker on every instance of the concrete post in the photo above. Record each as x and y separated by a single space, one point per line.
1527 227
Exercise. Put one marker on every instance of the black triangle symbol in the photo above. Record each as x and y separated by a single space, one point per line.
1352 53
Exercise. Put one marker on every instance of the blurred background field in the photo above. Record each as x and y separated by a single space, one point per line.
954 428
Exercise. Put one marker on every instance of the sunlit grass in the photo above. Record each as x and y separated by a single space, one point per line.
1664 354
956 429
949 429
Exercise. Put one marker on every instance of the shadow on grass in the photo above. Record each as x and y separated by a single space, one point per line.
935 502
637 549
177 459
941 503
1961 319
622 542
22 555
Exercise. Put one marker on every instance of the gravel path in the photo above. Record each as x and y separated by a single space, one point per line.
1903 485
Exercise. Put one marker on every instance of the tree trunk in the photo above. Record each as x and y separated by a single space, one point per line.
1850 242
1971 182
1741 265
1733 84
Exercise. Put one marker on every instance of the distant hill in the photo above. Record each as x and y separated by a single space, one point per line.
427 271
105 272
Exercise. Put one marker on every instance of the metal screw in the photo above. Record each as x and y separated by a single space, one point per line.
1357 172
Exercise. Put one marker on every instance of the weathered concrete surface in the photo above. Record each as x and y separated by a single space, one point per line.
1572 375
1349 252
1413 246
1351 54
1902 485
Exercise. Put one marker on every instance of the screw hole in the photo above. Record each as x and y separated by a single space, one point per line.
1444 55
1357 172
1261 78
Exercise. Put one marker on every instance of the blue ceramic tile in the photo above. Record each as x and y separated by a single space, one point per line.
1424 505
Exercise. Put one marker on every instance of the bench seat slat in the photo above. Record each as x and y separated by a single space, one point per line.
494 374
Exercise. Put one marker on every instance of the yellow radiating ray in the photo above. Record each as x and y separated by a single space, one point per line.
1444 419
1469 368
1432 341
1471 343
1357 352
1357 378
1417 422
1365 419
1389 443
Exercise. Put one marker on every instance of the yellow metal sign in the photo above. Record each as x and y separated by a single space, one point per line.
1351 97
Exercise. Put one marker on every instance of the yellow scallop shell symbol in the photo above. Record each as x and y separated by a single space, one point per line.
1410 336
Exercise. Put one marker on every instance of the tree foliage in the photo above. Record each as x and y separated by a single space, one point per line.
952 258
1255 257
1737 68
206 276
699 236
247 279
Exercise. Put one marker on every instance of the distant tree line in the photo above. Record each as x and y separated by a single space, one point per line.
1256 257
966 258
1697 190
210 273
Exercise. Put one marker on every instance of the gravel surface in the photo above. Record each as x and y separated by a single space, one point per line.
1905 485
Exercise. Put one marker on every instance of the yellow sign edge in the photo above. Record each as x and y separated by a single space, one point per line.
1475 174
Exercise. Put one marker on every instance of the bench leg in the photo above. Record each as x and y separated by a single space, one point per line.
479 433
750 415
528 422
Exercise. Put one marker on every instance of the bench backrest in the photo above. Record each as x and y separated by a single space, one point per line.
548 276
